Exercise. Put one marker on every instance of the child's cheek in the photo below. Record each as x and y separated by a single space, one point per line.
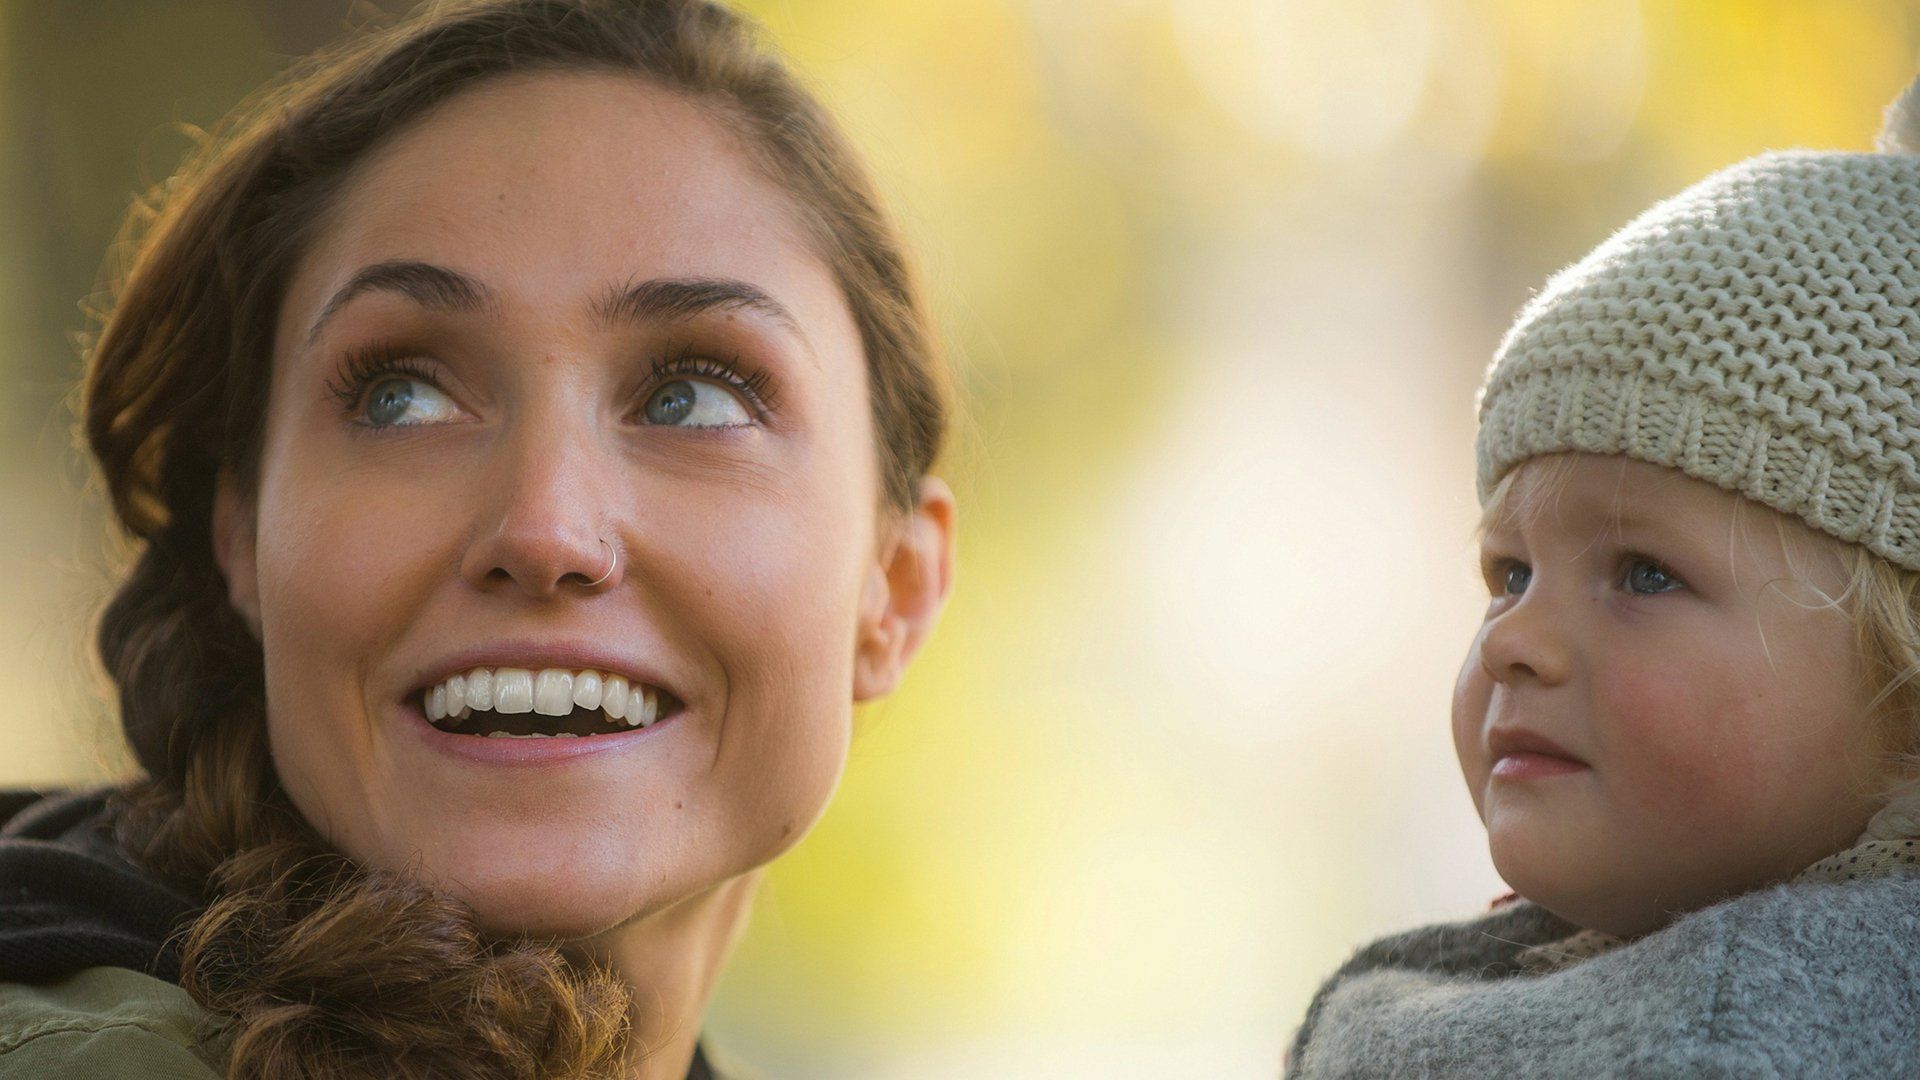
1674 743
1472 693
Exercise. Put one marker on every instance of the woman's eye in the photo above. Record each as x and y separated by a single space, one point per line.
1647 578
391 400
695 403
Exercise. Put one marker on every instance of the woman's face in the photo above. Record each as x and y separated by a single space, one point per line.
563 317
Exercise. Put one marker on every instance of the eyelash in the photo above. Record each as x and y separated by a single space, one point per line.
366 365
754 386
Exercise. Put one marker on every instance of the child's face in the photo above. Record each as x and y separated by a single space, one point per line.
1660 708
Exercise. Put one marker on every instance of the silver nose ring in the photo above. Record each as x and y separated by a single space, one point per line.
613 561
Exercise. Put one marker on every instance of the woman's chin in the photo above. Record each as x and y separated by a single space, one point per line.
545 908
514 891
596 914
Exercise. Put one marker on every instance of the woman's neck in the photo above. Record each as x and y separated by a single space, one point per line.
669 962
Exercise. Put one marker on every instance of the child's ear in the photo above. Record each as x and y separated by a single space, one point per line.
234 541
905 590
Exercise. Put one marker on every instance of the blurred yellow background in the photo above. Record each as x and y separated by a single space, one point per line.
1221 277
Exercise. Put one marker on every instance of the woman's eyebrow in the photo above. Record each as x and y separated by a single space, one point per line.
670 299
428 285
673 299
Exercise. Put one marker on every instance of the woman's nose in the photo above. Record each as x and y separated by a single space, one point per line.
546 519
1527 641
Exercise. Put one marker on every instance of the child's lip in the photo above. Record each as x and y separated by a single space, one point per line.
1506 742
1527 765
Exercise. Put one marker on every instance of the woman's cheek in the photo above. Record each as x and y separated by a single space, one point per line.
785 580
774 606
348 564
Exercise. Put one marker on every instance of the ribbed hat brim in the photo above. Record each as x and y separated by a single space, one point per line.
1756 331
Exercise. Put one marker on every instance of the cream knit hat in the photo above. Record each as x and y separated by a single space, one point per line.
1760 331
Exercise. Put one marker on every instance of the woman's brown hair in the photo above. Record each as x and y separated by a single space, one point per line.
318 966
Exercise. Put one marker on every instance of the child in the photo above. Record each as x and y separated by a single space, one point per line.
1689 719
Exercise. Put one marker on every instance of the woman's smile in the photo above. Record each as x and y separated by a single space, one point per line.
515 685
522 702
500 747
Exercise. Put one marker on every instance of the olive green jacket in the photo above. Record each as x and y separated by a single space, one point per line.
110 1023
102 1022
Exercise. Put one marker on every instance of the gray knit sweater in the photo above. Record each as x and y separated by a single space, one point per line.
1804 979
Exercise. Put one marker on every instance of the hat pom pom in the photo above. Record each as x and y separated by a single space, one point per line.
1900 127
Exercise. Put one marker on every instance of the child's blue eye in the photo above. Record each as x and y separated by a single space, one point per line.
1648 578
1516 578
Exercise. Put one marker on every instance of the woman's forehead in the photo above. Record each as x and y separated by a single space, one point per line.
588 133
553 191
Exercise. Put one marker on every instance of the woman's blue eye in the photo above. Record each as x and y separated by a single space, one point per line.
1516 579
695 403
390 400
1647 578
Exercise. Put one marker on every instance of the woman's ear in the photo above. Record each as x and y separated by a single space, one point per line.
234 539
905 591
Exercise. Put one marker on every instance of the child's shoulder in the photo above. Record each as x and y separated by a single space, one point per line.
1795 979
1829 915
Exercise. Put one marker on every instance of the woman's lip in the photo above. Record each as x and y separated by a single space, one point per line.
480 750
1532 765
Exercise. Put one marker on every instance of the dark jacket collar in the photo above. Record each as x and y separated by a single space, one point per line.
70 900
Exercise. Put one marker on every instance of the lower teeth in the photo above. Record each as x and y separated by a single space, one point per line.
535 735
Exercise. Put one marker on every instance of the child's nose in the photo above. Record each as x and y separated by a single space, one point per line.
1527 641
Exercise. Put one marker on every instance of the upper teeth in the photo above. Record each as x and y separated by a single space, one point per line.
548 691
